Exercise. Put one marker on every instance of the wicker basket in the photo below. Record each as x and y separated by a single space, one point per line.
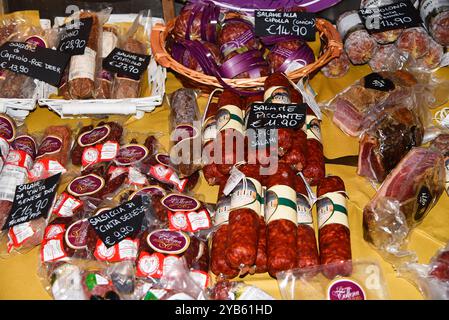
191 78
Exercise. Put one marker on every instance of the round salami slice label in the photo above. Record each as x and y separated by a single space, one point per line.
151 191
345 289
94 136
76 234
25 143
50 145
37 41
86 185
178 202
168 242
7 128
104 252
131 154
149 264
179 221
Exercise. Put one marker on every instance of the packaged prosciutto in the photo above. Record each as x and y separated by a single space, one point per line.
402 202
355 107
441 144
365 282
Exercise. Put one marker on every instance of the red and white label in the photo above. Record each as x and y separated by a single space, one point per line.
66 205
124 250
167 175
201 278
53 249
18 234
45 168
99 153
150 265
53 231
190 221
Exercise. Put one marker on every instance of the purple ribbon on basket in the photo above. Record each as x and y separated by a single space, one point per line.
239 42
209 20
271 40
250 61
303 56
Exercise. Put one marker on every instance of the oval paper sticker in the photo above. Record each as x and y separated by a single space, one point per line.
178 202
76 234
25 143
7 128
50 145
94 136
345 289
85 185
130 154
168 242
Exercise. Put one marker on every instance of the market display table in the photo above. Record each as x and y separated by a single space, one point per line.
18 274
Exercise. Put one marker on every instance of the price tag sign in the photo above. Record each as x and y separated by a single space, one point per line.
36 62
75 35
124 221
275 116
276 23
399 15
32 201
376 82
127 64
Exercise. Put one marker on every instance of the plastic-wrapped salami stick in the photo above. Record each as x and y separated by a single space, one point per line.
105 78
280 214
334 236
15 171
307 246
337 67
435 14
243 227
123 87
358 44
84 68
415 42
185 136
7 136
219 240
53 153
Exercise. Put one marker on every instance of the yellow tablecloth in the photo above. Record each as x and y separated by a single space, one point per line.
18 277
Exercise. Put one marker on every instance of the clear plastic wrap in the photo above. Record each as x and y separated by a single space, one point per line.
186 137
435 14
358 44
104 80
387 58
136 40
84 68
237 290
402 202
337 67
352 107
366 282
415 42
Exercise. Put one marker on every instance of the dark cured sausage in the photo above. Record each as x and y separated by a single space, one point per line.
230 138
278 91
333 235
243 232
261 258
218 264
307 246
315 169
281 217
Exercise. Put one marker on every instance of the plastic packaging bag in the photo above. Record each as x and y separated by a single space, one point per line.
366 282
402 202
237 290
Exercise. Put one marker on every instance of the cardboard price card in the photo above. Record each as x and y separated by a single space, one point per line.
32 201
113 226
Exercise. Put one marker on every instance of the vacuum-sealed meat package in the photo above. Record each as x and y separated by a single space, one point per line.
353 106
403 200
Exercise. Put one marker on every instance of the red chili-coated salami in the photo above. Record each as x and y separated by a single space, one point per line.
261 258
281 217
314 169
334 236
296 157
307 247
243 232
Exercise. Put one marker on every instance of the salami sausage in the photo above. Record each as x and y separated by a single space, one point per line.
218 264
7 136
231 131
281 217
315 169
82 69
333 235
278 91
261 258
307 246
296 157
105 78
126 88
90 137
184 114
243 230
53 152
